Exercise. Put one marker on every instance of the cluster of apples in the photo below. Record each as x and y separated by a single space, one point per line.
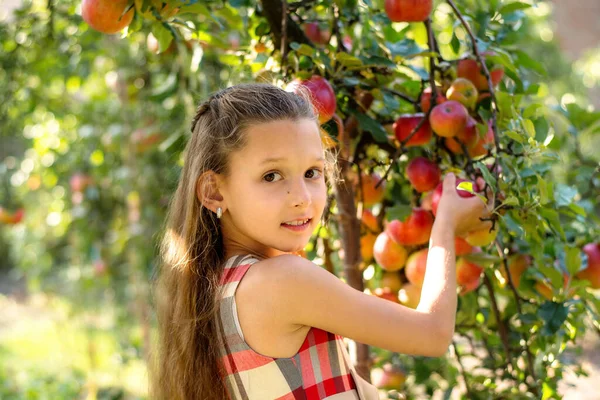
454 116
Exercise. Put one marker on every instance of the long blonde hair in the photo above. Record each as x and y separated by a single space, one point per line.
186 361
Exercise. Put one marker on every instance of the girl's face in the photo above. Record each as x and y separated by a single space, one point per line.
277 178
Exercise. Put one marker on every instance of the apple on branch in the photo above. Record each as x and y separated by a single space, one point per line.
406 123
592 272
449 118
415 230
388 254
321 92
106 16
423 174
426 98
408 10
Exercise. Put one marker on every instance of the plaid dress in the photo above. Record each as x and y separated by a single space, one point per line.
318 371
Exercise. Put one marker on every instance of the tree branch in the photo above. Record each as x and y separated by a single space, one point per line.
273 11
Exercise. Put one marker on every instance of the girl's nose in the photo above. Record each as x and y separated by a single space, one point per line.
300 194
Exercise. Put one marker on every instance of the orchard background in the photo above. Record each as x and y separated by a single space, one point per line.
92 126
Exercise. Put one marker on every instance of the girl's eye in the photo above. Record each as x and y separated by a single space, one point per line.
318 173
266 177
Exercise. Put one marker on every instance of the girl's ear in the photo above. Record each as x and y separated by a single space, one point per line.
207 191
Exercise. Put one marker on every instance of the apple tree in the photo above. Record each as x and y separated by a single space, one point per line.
406 91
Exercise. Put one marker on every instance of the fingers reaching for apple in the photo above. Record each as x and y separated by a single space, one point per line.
462 208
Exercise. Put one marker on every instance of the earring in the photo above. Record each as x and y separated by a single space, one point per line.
219 212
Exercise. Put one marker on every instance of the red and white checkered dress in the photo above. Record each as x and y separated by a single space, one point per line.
318 371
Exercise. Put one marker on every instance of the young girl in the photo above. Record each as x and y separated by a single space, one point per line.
240 315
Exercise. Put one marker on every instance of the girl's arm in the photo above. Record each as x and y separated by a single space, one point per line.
293 292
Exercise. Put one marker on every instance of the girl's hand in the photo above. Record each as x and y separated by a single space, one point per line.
463 213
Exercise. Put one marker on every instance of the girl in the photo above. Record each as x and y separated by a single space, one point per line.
240 315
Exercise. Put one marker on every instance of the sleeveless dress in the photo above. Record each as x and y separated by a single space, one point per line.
320 370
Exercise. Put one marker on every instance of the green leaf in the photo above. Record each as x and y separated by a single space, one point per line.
525 60
543 190
553 219
529 127
573 259
368 124
511 201
564 194
348 60
303 49
482 259
554 315
163 35
577 209
398 212
455 43
512 7
404 48
517 137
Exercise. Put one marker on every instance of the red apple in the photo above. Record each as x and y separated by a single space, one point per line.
463 91
467 272
315 34
410 295
423 174
415 267
370 221
416 229
8 218
405 125
371 194
592 272
408 10
437 194
322 94
517 265
449 118
483 143
470 69
468 136
461 247
388 254
106 15
426 98
367 241
469 286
